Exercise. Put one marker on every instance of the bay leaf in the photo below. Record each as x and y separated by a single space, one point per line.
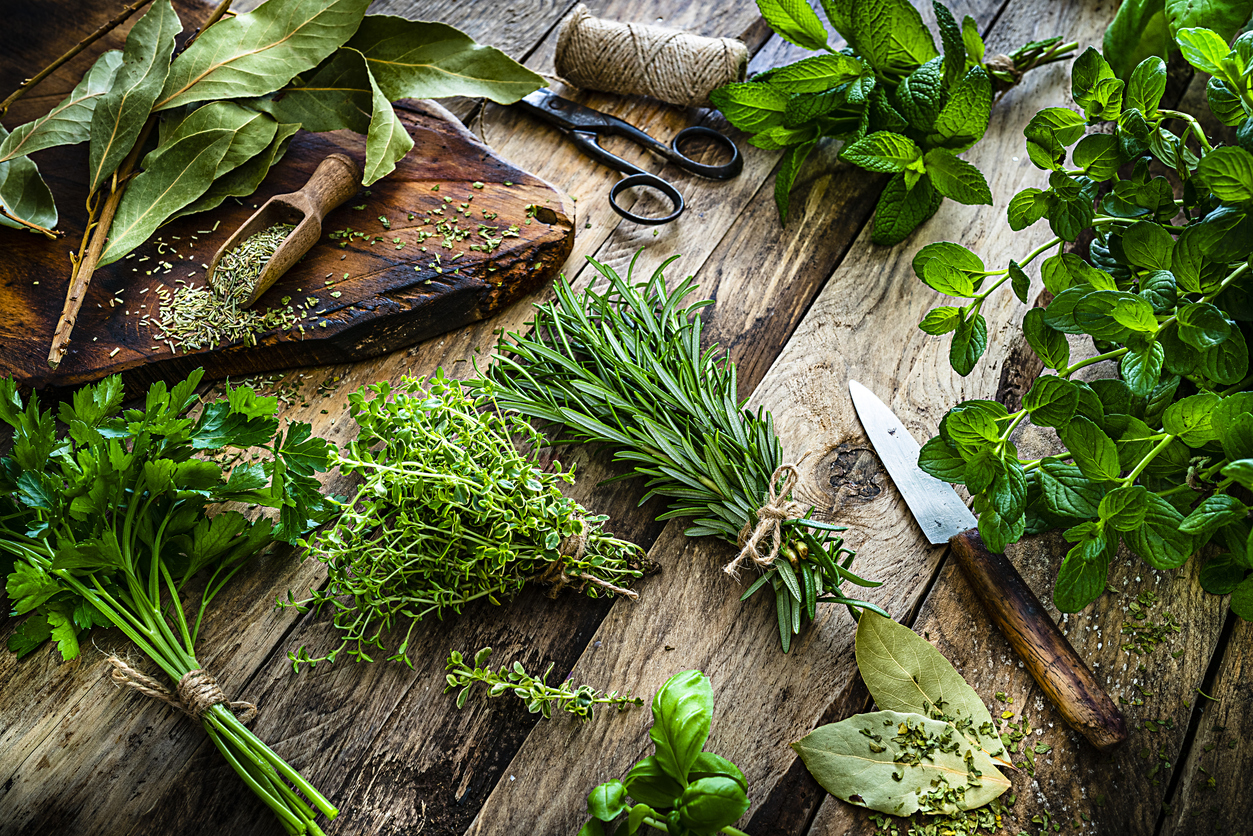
183 173
245 179
121 113
24 194
903 672
855 759
426 60
70 121
251 133
387 140
259 52
335 96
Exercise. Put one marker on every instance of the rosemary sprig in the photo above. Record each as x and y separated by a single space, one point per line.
541 698
625 368
449 511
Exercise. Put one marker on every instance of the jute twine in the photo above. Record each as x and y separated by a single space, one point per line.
776 510
574 548
634 59
197 691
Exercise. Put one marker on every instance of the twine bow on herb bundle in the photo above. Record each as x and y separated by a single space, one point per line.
626 368
196 692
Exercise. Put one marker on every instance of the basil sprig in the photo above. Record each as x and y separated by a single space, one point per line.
1159 457
900 106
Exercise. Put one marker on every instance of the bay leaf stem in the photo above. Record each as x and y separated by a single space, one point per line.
31 226
26 85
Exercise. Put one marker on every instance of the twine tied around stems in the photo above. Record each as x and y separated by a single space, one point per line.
776 510
197 691
574 548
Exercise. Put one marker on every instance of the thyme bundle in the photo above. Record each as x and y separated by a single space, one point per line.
626 368
449 512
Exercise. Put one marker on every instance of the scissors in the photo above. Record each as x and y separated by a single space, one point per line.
583 125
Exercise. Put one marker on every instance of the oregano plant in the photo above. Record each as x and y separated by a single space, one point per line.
899 104
1160 456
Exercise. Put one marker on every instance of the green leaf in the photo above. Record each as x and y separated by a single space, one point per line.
1212 514
1098 156
883 151
972 39
30 634
1205 50
337 95
1085 569
953 255
1147 85
952 43
847 762
709 804
424 60
942 461
24 194
387 141
1159 542
921 95
183 174
1095 87
1027 207
607 801
259 52
1141 367
947 279
957 179
1048 343
70 121
1147 245
1050 132
941 320
901 209
1224 102
707 764
1124 507
969 342
245 179
648 782
250 133
64 631
789 167
751 106
1051 401
682 711
1228 173
1228 362
1226 17
120 114
1094 451
1221 574
1137 34
890 35
905 673
795 22
1135 314
815 74
1202 325
1190 419
964 118
28 586
1019 281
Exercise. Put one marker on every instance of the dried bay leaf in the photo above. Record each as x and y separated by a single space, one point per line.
335 96
120 114
24 194
939 772
245 179
259 52
903 672
183 173
387 141
421 59
70 121
251 133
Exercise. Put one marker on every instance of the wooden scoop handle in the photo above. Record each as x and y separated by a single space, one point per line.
332 182
1020 616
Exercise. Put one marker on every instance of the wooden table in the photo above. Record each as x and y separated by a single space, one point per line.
802 309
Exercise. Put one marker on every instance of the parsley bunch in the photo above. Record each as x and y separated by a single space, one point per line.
900 106
449 511
626 368
108 523
1159 457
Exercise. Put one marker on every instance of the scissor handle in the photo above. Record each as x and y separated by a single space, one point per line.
714 172
651 181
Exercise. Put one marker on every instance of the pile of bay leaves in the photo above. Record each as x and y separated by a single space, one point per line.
227 106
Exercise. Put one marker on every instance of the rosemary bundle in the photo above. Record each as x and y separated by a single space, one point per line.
626 368
449 511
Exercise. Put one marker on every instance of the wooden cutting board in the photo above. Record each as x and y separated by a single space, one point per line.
379 292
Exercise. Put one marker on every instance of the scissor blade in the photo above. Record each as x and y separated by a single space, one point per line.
935 505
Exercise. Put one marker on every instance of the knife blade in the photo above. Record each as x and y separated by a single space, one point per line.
1009 602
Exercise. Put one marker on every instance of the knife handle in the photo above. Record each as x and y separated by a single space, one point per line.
1020 616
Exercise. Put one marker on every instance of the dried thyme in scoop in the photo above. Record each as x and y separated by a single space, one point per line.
237 270
449 512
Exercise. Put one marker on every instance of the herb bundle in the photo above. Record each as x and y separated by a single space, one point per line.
107 525
679 788
900 106
449 511
540 697
228 105
932 748
1158 457
626 368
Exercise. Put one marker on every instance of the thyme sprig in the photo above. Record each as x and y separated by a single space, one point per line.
626 368
449 511
540 697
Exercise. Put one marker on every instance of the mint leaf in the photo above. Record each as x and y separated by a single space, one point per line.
1212 514
795 22
964 118
789 167
1094 452
921 95
1048 343
1228 173
1026 207
1141 367
890 35
1067 492
1019 281
901 209
751 106
883 151
942 461
1159 542
1098 156
969 342
1124 507
1095 88
957 179
1083 573
940 320
1205 50
815 74
1147 84
1052 401
951 40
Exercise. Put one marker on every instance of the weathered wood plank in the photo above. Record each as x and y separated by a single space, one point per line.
862 325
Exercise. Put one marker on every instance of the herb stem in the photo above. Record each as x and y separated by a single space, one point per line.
1194 125
1148 459
1109 355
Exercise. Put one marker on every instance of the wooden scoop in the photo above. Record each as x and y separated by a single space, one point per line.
335 180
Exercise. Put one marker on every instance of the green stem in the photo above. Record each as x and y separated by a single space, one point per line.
1109 355
1192 123
1161 445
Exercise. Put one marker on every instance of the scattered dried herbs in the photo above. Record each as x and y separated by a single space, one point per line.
106 525
679 788
449 511
626 368
540 697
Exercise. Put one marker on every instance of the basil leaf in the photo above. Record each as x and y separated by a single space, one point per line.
709 804
648 782
608 801
682 712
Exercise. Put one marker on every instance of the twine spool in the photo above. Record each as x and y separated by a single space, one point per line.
633 59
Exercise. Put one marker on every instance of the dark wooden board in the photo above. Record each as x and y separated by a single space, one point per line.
383 304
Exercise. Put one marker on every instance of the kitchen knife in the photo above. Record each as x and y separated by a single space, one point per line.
1011 604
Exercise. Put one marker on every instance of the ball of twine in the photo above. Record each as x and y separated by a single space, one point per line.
634 59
